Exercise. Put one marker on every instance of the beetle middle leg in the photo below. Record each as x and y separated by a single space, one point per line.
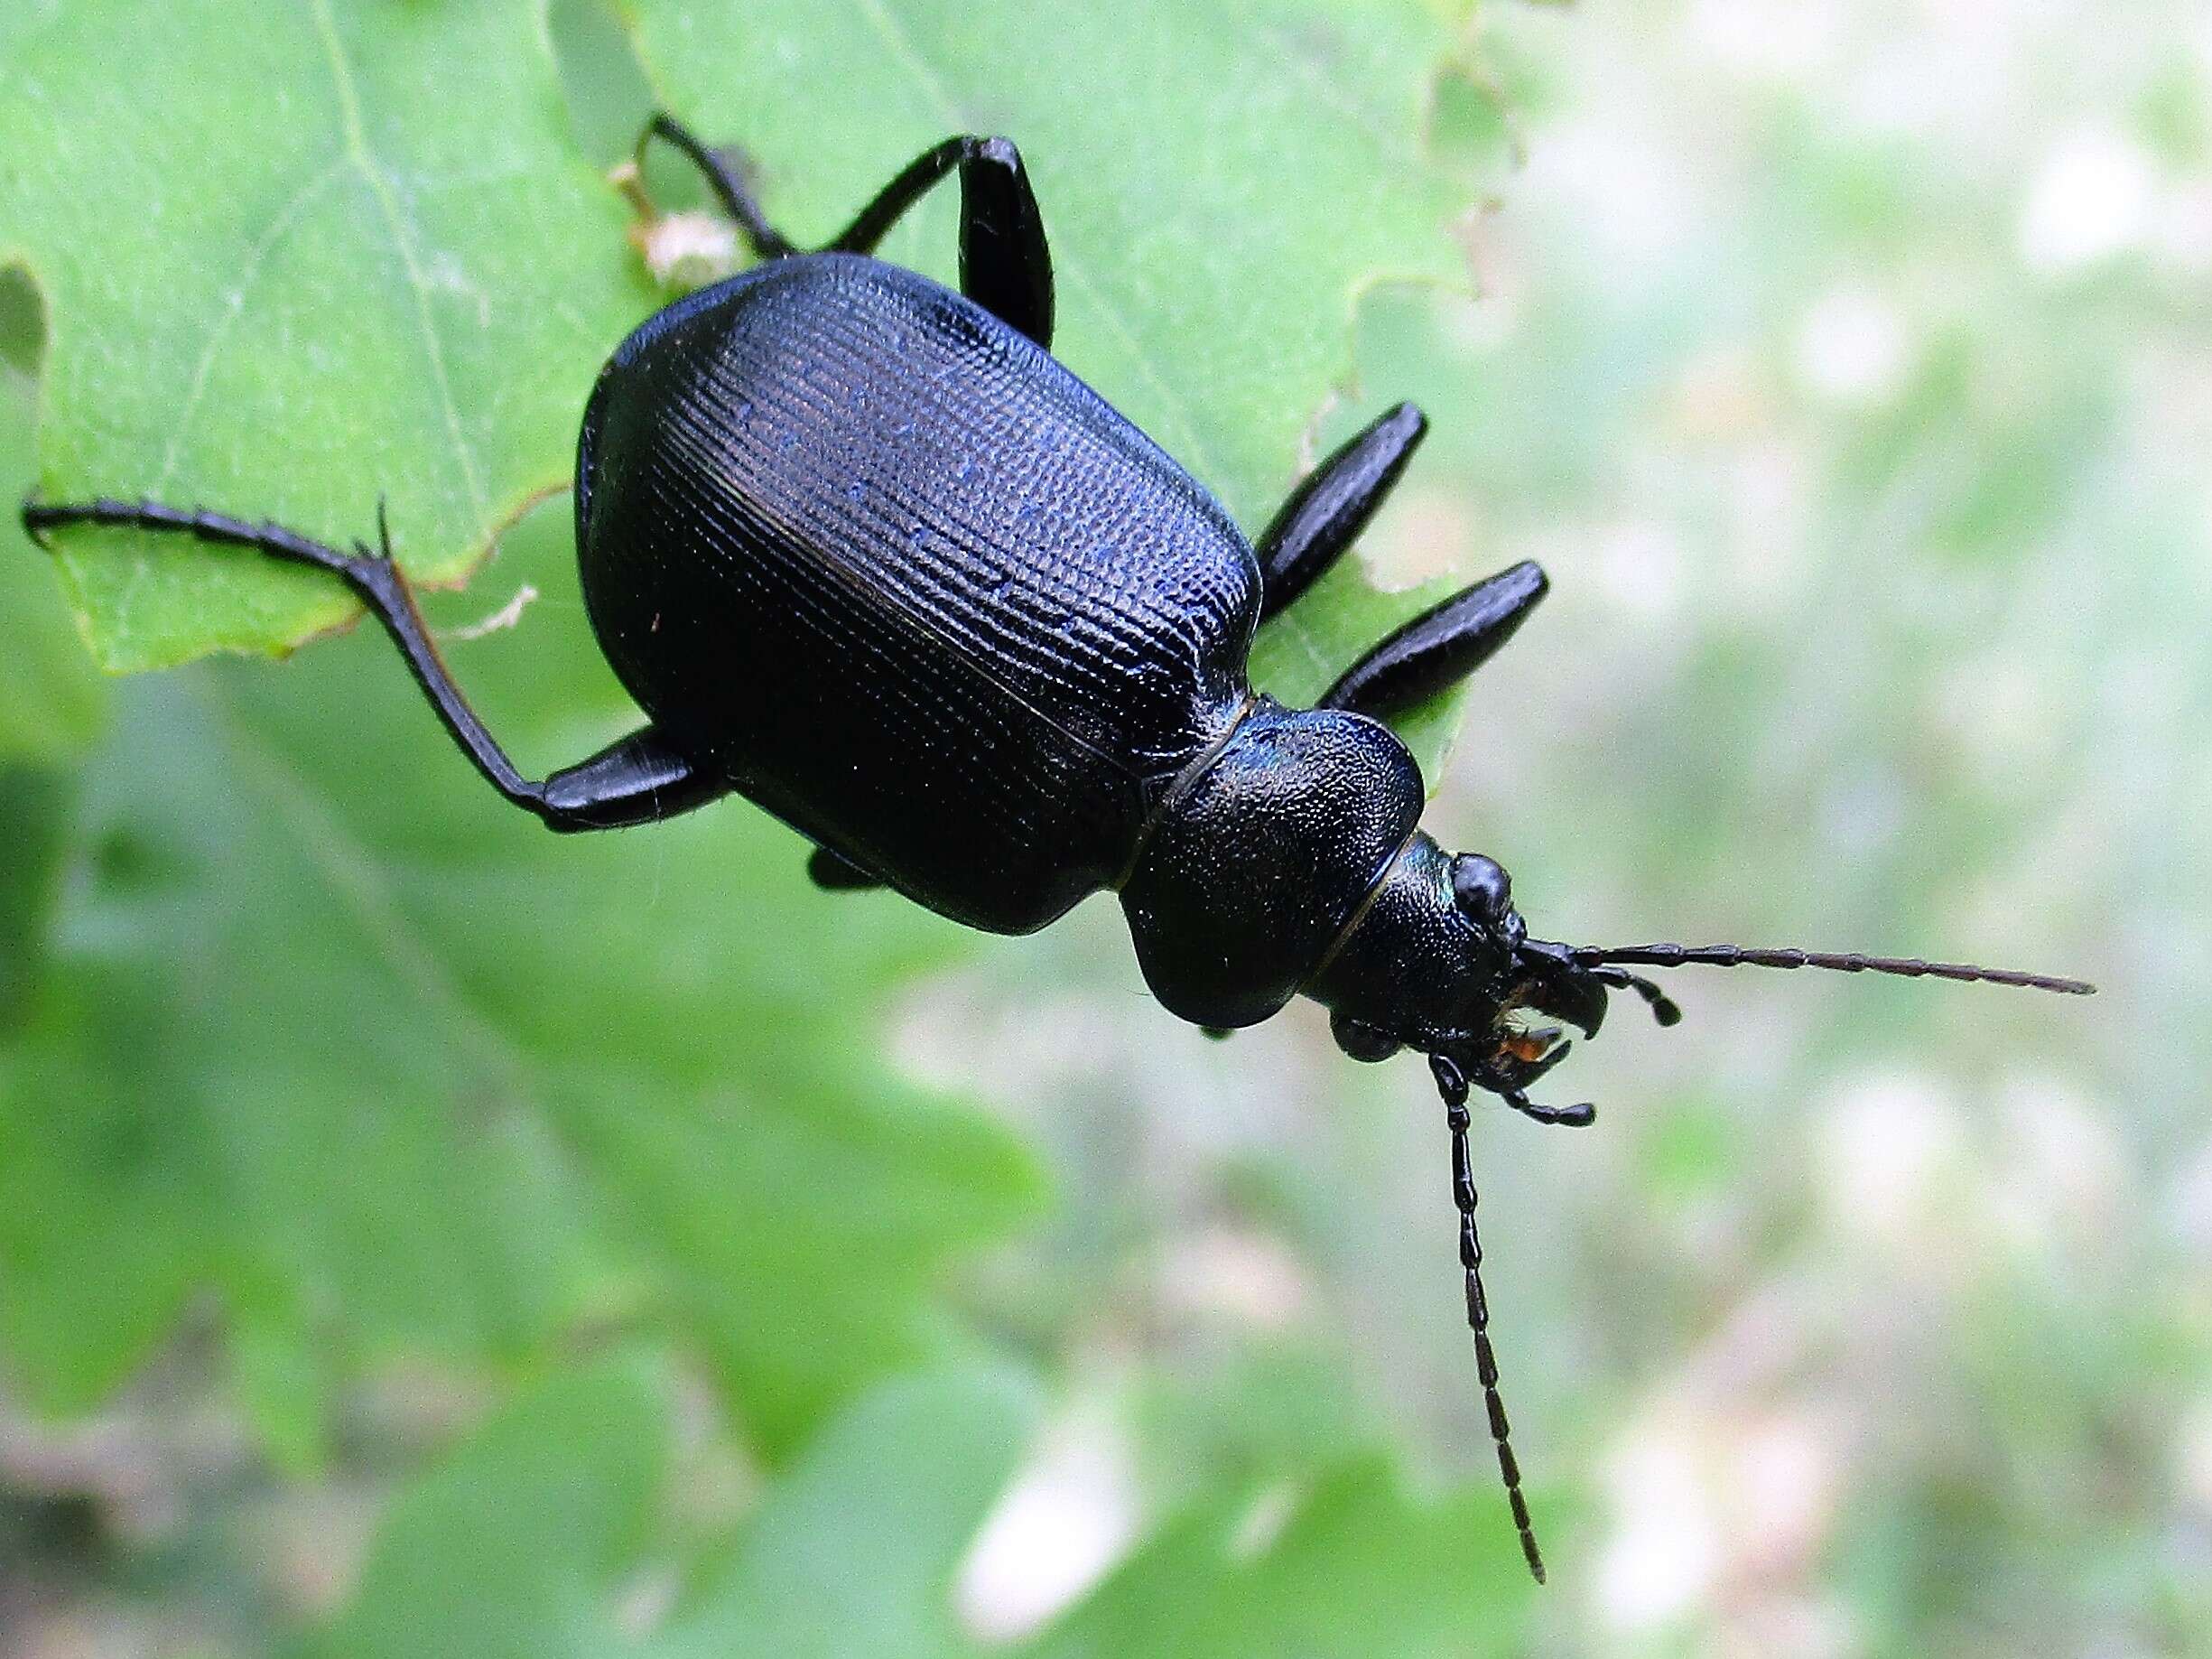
640 779
1005 261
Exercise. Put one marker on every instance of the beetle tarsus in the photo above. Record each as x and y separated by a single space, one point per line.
724 179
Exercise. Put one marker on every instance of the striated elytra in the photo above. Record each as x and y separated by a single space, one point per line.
863 551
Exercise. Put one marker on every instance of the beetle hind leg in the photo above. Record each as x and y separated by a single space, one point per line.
640 779
725 177
1005 261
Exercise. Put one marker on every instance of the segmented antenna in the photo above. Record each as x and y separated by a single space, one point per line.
1841 962
1452 1084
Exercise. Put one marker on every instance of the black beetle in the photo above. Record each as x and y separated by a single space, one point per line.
865 553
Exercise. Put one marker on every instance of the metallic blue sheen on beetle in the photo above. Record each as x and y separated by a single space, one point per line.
866 553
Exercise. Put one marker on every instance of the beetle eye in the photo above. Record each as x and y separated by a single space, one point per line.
1481 887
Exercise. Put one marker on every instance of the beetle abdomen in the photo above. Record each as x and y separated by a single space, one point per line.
908 581
1247 882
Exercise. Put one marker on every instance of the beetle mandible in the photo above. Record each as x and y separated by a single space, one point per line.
865 553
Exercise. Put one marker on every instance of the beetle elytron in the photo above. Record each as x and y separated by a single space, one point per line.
865 553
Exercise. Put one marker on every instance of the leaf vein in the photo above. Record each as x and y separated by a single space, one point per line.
255 257
403 244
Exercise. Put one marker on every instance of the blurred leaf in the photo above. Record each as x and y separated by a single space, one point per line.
329 1028
294 256
1360 1567
50 693
516 1542
33 806
516 1545
853 1554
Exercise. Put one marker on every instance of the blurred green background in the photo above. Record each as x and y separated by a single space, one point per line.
419 1235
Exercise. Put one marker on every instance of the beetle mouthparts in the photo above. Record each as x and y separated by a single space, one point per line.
1555 986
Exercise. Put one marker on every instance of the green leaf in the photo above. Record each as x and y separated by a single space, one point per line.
1359 1567
853 1554
296 256
50 697
327 1029
516 1545
347 1041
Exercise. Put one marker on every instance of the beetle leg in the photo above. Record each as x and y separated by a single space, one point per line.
639 779
1439 646
726 181
1005 262
1332 505
1578 1117
833 872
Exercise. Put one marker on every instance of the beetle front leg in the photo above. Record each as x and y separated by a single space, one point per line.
1439 646
1326 512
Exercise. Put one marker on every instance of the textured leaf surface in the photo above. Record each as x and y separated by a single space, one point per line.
294 257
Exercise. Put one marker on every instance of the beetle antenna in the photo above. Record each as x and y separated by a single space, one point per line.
1452 1084
1841 962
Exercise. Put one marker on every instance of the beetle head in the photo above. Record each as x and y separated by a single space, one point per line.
1441 962
1500 1037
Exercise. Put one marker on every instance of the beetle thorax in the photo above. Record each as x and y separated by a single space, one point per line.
1257 867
